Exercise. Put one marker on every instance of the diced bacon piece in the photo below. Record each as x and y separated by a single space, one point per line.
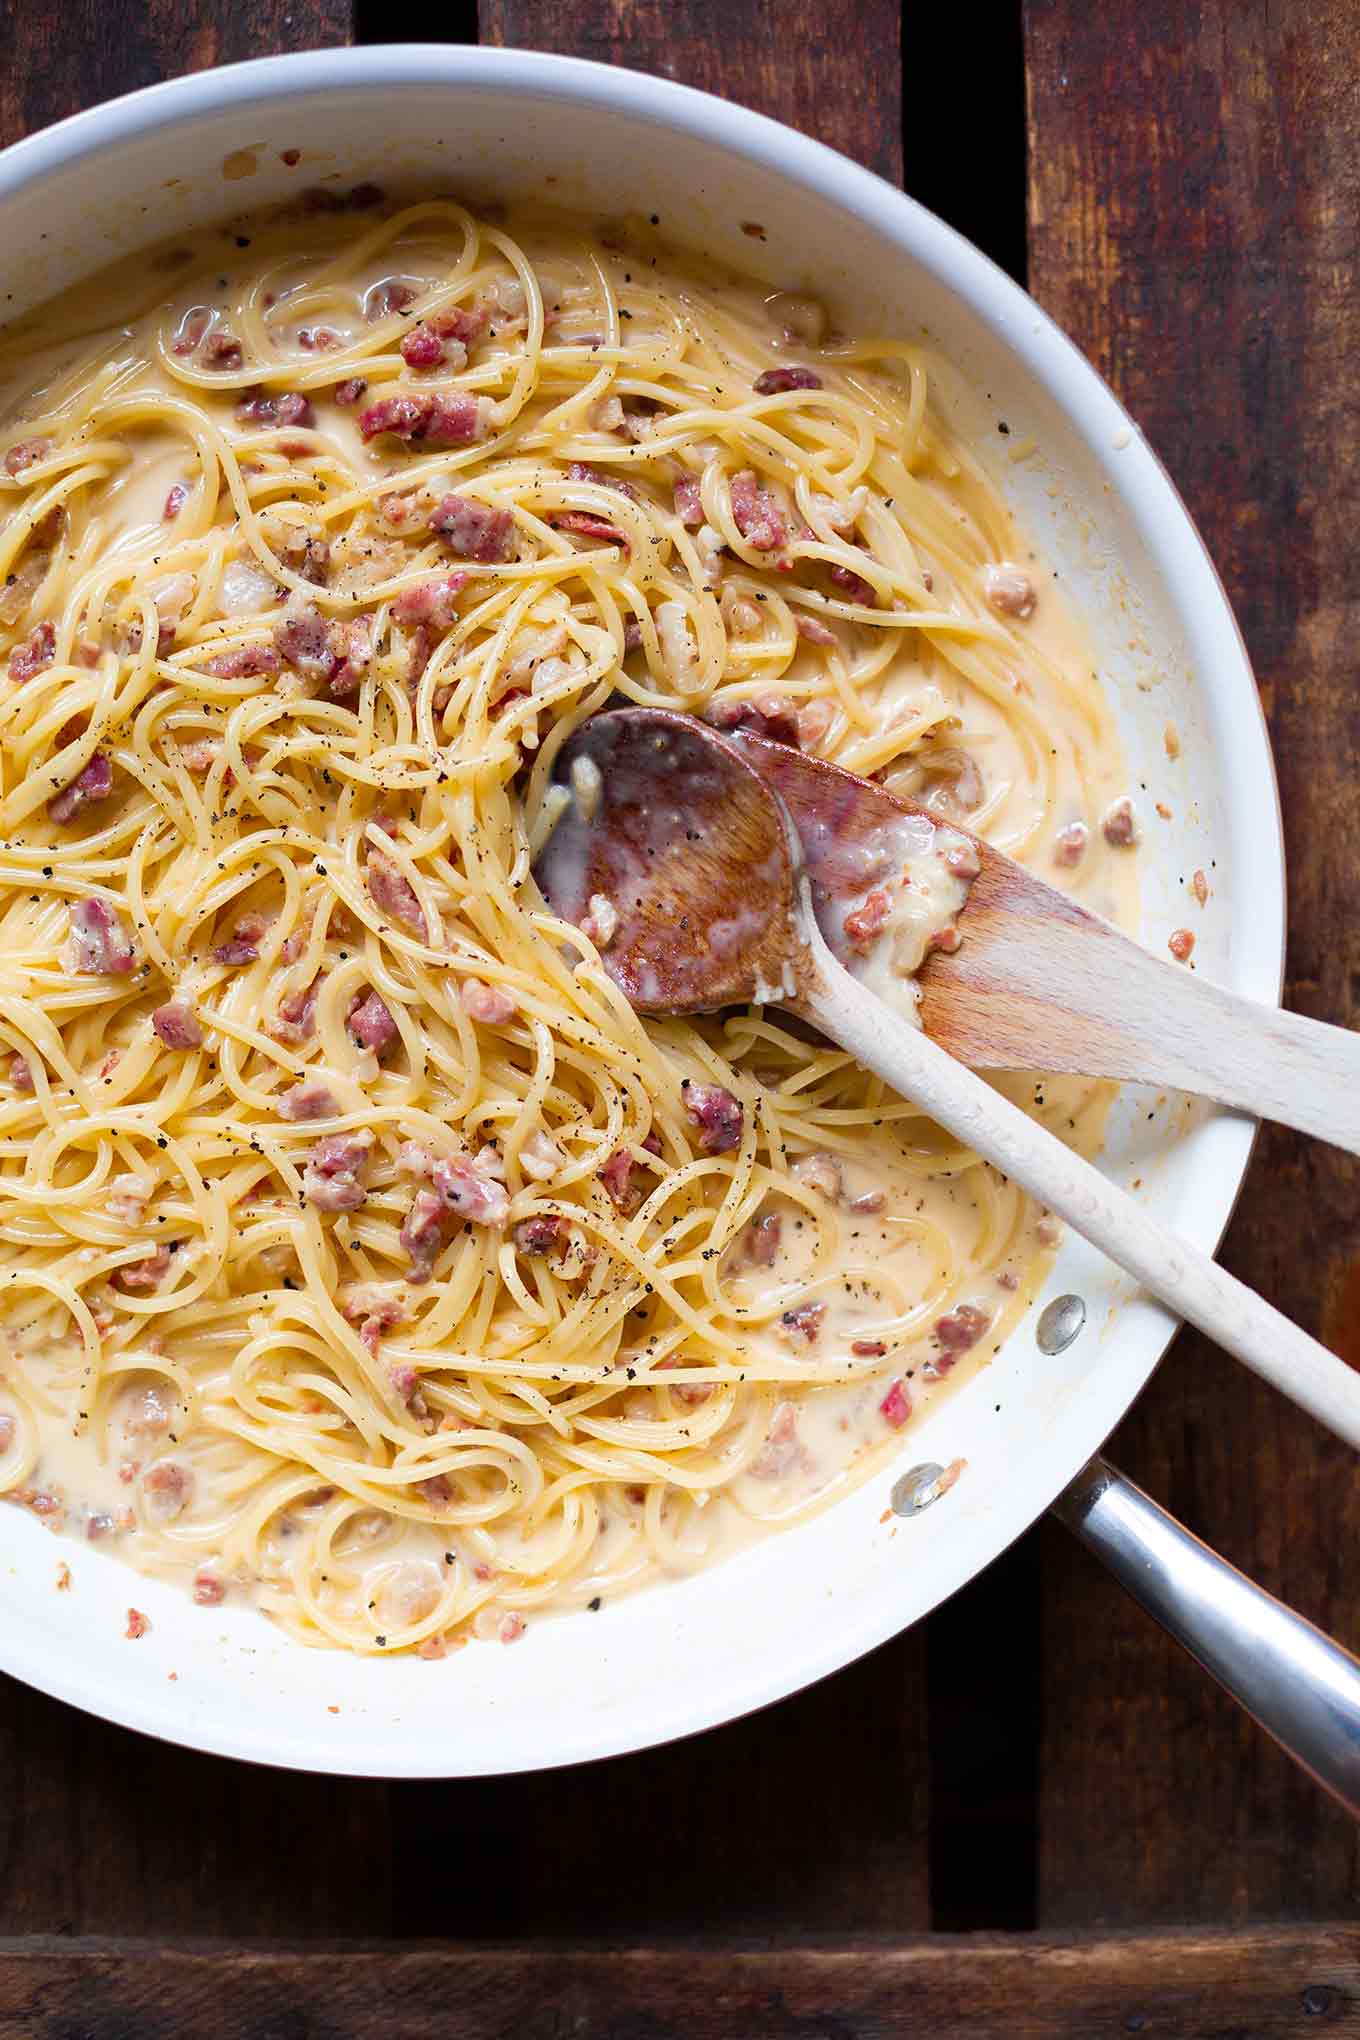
1181 943
241 949
308 1101
542 1236
868 1349
895 1407
777 722
962 1327
290 407
1069 845
492 1005
781 1451
467 1186
581 471
756 514
821 1172
167 1488
1009 590
601 922
473 531
431 601
351 644
35 653
868 1201
863 925
419 649
21 1075
689 502
243 662
422 1234
617 1178
332 1179
210 1589
1119 824
99 942
387 297
296 1017
176 496
144 1274
222 350
137 1624
854 586
422 347
371 1023
26 455
350 392
803 1321
464 323
317 339
760 1241
7 1430
1199 886
813 629
511 1628
718 1115
392 893
127 1197
93 783
585 526
431 418
302 640
775 381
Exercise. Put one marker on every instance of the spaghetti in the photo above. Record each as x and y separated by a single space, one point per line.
360 1249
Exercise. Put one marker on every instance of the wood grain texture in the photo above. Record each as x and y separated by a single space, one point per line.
1194 186
59 59
1256 1986
834 71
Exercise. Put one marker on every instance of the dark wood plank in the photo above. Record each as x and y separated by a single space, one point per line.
834 71
101 1831
1254 1986
809 1818
60 58
1194 188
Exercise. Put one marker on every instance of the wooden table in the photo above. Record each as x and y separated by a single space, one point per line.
1179 182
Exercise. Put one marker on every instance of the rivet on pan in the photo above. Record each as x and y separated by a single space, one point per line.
917 1489
1059 1324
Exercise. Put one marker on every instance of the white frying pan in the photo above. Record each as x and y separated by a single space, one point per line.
683 1657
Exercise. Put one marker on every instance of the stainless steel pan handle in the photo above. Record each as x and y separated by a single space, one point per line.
1300 1686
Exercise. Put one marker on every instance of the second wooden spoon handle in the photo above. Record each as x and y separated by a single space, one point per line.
1187 1280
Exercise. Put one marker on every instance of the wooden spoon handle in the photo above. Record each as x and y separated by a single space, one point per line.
1187 1280
1261 1060
1067 992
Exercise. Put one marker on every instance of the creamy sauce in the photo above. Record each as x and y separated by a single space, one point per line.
862 1260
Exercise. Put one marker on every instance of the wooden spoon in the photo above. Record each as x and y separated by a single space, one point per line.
685 865
1039 983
